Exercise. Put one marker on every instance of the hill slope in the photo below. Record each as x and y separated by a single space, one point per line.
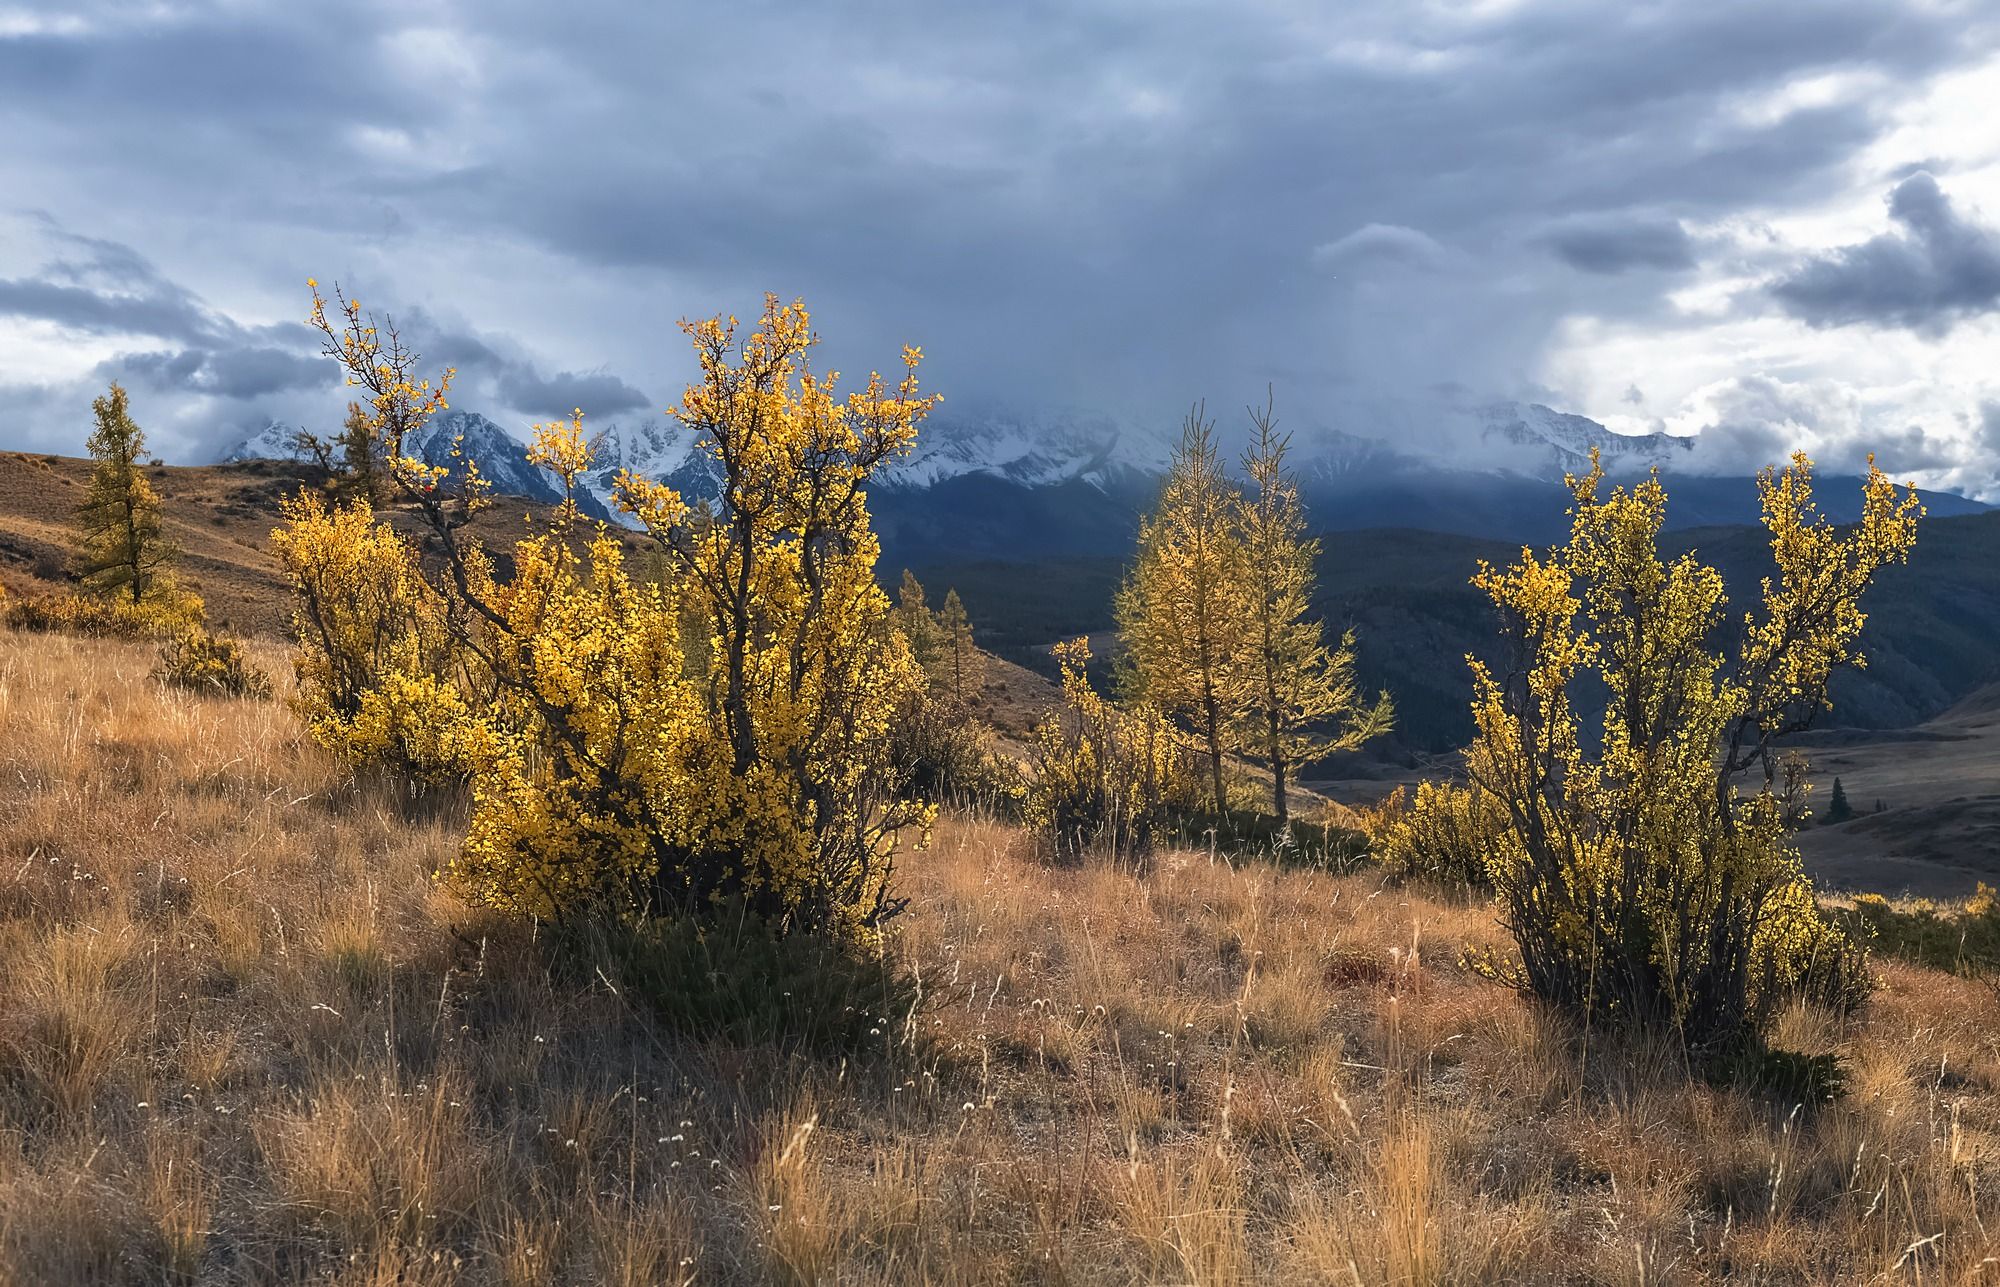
249 1037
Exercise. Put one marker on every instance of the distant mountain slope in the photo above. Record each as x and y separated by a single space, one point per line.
1933 634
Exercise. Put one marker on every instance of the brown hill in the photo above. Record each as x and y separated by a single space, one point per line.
222 516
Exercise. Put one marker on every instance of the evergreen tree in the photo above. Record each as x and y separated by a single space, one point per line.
121 550
1181 608
917 622
352 458
1293 699
962 666
1838 810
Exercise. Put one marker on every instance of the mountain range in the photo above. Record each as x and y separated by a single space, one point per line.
1012 485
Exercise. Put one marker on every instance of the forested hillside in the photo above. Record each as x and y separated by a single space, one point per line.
1933 633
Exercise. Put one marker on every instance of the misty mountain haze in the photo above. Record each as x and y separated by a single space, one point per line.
1014 485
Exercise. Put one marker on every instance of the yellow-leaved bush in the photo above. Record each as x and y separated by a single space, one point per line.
1105 777
1648 875
381 678
714 734
210 663
1444 832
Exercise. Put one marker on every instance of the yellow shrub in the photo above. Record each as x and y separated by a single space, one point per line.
381 681
1445 832
714 733
165 615
210 663
1104 777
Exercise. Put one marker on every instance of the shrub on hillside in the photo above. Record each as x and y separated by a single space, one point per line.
163 616
643 747
1105 778
210 663
1963 937
1443 833
944 756
382 681
1647 872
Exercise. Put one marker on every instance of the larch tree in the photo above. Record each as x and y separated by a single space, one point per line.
961 665
1293 699
913 616
352 458
122 552
1180 610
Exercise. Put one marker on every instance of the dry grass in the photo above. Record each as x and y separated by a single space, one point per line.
245 1038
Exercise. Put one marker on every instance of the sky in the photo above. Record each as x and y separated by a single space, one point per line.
1774 225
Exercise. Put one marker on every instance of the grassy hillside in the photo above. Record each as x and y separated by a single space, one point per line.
247 1038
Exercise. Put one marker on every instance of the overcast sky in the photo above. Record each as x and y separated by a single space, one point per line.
1772 223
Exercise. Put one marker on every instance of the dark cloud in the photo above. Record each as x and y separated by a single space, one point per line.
1616 244
1938 269
597 392
239 373
1091 202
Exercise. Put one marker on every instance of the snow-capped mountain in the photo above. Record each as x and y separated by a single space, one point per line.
998 484
1540 437
1033 450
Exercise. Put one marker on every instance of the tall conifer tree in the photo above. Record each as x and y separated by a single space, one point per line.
1181 608
962 666
121 549
1293 699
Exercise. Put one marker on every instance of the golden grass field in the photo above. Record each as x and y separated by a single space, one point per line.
246 1037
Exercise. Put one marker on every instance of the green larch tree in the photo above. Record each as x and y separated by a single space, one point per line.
121 550
1292 699
1180 610
961 665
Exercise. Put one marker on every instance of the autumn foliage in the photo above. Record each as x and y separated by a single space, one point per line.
1647 873
718 735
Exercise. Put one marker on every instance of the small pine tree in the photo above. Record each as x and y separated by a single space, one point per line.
917 622
121 550
961 666
1181 608
352 458
1293 699
1838 810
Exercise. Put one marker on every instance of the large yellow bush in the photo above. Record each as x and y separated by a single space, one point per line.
1648 873
716 732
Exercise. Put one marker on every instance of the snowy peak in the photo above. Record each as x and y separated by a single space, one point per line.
275 441
1407 439
1529 437
1032 450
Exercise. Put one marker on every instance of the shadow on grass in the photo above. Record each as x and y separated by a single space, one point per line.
737 979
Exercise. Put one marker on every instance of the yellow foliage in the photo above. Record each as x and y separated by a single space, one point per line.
1104 776
1647 882
380 678
719 733
163 614
1181 611
210 663
1444 832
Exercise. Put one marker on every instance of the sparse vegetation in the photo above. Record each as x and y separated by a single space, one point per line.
250 1038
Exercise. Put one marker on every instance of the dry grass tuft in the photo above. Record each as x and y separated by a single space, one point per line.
244 1037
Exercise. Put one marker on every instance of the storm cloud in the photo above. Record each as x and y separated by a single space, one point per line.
1618 244
1937 269
1098 204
